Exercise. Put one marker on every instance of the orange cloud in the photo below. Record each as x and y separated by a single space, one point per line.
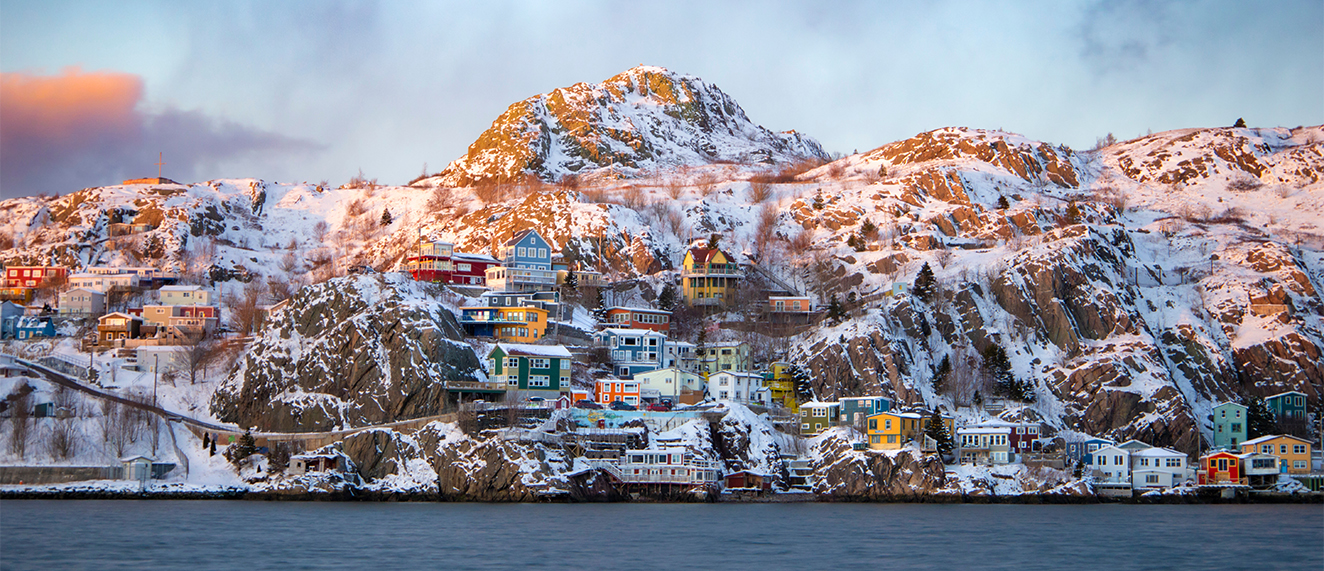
72 104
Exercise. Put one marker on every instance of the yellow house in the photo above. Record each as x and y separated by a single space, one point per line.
894 430
513 324
708 277
1293 453
781 387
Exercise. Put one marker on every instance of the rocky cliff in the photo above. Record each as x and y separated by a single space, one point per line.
644 118
352 351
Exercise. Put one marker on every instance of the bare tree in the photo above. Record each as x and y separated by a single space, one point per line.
119 428
766 231
63 440
20 420
200 355
244 308
759 191
319 231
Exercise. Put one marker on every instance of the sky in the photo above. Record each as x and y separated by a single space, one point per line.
91 92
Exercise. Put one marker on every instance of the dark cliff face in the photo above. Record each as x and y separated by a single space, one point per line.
348 352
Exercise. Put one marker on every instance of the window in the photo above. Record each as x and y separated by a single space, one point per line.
873 424
891 439
804 426
873 439
513 381
540 363
818 426
1298 448
726 351
1119 461
1173 463
1282 449
1236 427
565 364
1266 449
1101 460
521 251
512 362
887 424
539 380
1299 464
542 252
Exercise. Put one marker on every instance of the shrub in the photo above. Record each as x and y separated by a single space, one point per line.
759 191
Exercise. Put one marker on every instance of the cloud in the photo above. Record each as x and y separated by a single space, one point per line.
78 129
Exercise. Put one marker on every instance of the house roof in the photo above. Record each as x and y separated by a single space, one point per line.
124 315
1284 393
182 288
863 398
520 236
1133 442
1269 437
815 403
705 255
84 290
1158 451
526 350
641 332
638 309
1222 404
737 374
474 257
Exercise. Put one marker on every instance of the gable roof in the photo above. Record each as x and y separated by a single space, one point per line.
704 255
1269 437
520 236
632 332
638 309
1223 404
474 257
124 315
1284 393
1157 451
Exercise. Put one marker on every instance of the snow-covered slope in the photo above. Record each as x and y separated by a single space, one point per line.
646 118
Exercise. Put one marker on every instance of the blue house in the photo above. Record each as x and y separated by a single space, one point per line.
9 314
28 327
1288 405
1229 425
854 410
1083 451
526 264
632 351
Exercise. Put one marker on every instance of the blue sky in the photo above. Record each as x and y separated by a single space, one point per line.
310 91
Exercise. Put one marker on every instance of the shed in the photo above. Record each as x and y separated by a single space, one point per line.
749 480
304 463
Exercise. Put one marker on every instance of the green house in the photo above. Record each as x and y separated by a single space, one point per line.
1290 405
531 370
816 416
1229 425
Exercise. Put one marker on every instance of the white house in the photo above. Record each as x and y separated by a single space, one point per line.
82 301
103 282
740 387
185 295
1154 468
669 383
1112 465
986 443
680 354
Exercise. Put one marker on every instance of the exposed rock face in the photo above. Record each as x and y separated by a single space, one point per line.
645 117
843 473
351 351
492 470
379 453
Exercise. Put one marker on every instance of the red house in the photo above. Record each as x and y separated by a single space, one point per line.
1220 467
749 480
32 276
439 262
1025 438
639 318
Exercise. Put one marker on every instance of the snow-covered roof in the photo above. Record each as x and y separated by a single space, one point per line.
815 403
639 309
474 257
526 350
124 315
863 398
1285 393
736 374
1236 404
1157 451
1269 437
181 288
987 428
643 332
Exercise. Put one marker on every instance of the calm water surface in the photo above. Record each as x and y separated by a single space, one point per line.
264 535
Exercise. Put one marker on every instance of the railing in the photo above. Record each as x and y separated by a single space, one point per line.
476 385
713 270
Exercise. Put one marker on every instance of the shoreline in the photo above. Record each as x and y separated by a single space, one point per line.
785 498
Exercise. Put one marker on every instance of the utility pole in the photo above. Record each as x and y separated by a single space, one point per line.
156 373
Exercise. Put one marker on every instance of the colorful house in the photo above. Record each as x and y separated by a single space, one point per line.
1025 438
639 318
526 264
9 314
817 416
1229 425
31 327
724 356
894 430
856 410
708 277
104 282
33 276
986 443
1221 467
632 351
611 390
531 370
1083 450
513 324
431 261
471 269
781 387
185 295
1290 405
118 326
1293 453
790 309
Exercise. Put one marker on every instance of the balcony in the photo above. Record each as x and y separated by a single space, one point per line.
717 270
520 279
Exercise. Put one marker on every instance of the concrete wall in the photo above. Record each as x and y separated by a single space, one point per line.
57 474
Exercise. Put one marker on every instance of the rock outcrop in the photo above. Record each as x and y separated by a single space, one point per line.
353 351
846 474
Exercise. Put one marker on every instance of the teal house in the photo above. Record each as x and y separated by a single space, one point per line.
1229 425
530 370
1290 405
854 410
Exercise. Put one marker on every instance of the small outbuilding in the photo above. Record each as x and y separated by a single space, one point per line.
749 480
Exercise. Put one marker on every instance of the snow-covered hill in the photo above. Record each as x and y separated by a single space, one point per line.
646 118
1099 276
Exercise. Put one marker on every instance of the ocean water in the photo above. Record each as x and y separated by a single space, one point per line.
159 534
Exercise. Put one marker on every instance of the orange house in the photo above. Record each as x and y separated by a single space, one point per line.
612 390
1293 453
1220 467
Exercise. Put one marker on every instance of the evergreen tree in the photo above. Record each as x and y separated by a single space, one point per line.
804 388
571 280
1240 124
245 447
834 311
386 217
666 300
937 430
1002 203
1259 419
944 371
206 439
213 448
868 229
925 284
1073 212
978 399
855 242
600 312
998 368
